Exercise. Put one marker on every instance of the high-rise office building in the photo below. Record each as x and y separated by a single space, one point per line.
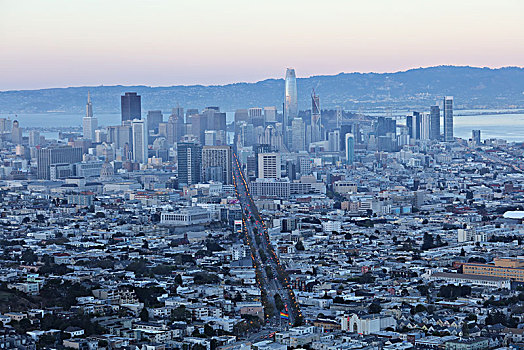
435 122
46 157
344 129
425 126
216 164
16 133
475 137
298 135
189 156
175 126
448 118
334 141
290 102
131 106
256 116
34 138
140 137
154 118
316 118
269 166
350 149
270 114
89 123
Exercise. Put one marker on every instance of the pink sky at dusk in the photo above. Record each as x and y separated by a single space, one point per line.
57 43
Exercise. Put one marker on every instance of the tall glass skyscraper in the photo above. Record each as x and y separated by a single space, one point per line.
448 118
291 103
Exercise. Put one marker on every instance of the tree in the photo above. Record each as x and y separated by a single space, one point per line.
144 315
374 308
299 246
278 302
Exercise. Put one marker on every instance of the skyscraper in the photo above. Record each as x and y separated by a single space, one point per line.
140 134
435 122
350 149
131 106
298 135
216 164
448 118
16 133
270 114
425 126
291 102
475 137
189 157
154 118
46 157
269 166
89 123
316 119
175 126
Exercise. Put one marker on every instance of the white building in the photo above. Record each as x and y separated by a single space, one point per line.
140 135
269 166
186 217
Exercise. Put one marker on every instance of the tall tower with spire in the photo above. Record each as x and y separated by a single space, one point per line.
89 123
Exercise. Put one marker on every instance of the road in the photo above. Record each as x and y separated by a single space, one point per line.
264 256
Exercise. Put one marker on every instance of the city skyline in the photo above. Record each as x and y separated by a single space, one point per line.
106 45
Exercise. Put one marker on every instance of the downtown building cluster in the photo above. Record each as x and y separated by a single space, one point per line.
390 232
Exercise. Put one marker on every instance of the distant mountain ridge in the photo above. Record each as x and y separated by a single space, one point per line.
472 87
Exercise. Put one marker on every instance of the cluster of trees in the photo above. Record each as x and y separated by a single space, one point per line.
453 291
205 278
430 242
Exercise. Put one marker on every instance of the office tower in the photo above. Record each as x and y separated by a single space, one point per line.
46 157
316 119
119 135
190 112
435 123
140 138
475 137
216 164
385 126
256 116
154 118
210 138
339 116
334 140
344 129
34 138
270 114
269 166
175 127
298 134
245 135
131 106
89 123
350 149
241 115
258 149
100 136
413 122
425 126
290 102
199 125
16 133
189 156
448 118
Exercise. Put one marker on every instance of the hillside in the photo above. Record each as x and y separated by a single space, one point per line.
472 88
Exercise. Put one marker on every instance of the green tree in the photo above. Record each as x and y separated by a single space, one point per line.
144 314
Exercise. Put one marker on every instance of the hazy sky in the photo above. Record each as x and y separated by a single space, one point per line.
56 43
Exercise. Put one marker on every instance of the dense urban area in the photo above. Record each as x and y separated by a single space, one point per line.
283 229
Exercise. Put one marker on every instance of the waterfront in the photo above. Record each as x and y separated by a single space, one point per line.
508 126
